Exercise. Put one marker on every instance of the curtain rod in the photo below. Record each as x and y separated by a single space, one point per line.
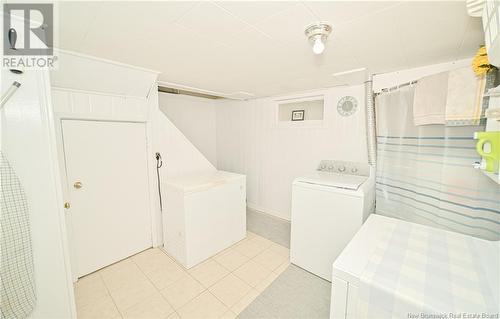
387 90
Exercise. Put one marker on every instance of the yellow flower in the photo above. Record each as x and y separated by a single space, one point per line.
480 63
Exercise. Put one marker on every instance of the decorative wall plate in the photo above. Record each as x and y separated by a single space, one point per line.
347 106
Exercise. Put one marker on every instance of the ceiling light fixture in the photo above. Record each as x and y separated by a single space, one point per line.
317 33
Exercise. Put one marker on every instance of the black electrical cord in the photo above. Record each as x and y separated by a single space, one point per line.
159 164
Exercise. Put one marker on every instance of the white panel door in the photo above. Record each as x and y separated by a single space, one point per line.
107 177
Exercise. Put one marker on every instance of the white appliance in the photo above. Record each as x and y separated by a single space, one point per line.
477 258
203 215
349 266
328 207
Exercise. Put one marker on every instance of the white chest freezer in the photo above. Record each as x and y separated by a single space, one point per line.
203 214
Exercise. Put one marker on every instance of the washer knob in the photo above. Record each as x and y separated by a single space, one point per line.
354 170
341 168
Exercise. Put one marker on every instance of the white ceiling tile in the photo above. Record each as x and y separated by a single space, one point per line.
211 22
248 38
146 18
174 48
119 32
430 31
373 41
76 19
213 47
255 11
338 12
473 38
288 26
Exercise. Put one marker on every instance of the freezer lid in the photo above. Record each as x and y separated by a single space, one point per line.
201 181
337 180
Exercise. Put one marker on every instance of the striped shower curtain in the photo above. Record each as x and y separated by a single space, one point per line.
425 173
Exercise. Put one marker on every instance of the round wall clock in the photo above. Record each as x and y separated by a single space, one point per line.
347 106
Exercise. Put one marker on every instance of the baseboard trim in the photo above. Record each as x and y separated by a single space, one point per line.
267 212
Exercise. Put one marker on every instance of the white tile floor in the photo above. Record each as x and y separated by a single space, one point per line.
153 285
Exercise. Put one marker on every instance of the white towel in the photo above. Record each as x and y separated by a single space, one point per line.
430 99
465 97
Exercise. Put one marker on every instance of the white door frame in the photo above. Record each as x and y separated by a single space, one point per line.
152 181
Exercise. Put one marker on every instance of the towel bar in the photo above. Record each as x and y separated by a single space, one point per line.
12 89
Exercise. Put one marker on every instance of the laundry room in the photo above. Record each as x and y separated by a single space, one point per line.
250 159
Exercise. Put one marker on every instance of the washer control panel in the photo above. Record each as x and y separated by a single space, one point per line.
342 167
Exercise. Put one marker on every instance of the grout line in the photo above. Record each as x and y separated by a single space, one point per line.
207 289
457 51
198 294
358 18
185 13
222 302
109 293
232 272
152 283
311 11
229 307
187 273
247 24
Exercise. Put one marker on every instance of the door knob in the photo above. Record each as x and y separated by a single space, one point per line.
67 205
77 185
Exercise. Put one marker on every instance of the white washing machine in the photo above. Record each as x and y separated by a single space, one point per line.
328 208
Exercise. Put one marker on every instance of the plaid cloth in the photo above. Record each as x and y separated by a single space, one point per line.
17 282
418 271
